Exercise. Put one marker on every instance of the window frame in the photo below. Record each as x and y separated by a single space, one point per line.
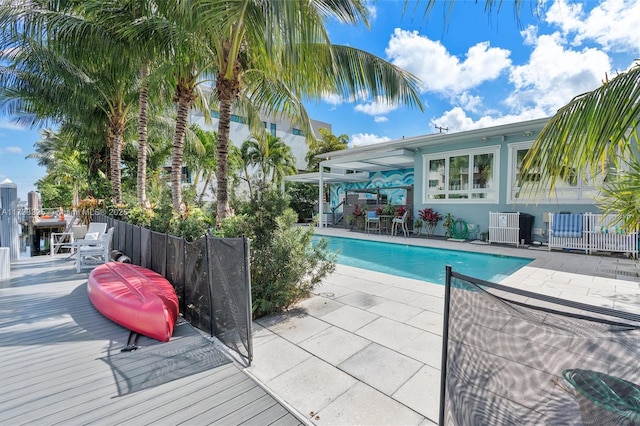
447 192
581 193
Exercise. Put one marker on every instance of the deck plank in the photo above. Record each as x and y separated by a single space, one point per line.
60 363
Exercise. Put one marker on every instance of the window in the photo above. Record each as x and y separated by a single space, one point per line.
264 123
469 175
273 129
574 189
237 119
297 132
186 175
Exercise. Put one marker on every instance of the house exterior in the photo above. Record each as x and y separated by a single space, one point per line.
467 174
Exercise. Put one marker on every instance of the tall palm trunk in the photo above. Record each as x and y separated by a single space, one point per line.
222 196
116 130
227 90
142 139
185 96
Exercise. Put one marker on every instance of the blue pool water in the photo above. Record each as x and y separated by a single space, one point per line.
422 263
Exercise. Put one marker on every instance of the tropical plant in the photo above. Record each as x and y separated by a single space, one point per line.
328 142
302 198
273 158
285 263
357 211
358 216
431 218
203 164
401 210
417 226
59 79
449 220
389 210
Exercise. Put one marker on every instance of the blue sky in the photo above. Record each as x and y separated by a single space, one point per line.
476 69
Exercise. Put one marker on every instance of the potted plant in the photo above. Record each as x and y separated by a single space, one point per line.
400 211
358 216
417 226
431 218
389 210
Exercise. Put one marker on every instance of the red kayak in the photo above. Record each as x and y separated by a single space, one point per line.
134 297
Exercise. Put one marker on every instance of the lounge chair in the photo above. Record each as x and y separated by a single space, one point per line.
91 253
67 240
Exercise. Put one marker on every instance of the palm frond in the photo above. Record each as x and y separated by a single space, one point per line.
594 128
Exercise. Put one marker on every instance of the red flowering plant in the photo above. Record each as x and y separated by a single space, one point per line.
358 216
431 218
357 211
400 211
379 211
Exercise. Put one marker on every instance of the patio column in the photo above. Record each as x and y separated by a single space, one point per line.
321 197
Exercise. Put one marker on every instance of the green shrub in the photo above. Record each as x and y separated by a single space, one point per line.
285 265
195 225
140 216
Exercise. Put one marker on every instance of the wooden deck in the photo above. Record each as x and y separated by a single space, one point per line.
60 363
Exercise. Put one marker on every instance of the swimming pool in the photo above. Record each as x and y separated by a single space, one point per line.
422 263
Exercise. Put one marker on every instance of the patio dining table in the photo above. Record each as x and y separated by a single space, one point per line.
385 223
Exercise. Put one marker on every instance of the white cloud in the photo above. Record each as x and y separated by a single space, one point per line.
12 150
380 119
427 59
457 120
11 125
376 107
362 139
613 24
332 99
554 75
470 102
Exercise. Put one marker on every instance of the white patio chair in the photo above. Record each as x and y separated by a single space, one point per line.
66 240
91 253
402 221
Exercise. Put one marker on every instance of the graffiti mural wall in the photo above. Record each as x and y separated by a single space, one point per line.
386 179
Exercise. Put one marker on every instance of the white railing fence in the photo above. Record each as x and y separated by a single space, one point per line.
591 232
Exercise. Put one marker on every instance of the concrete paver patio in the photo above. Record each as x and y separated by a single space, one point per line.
366 347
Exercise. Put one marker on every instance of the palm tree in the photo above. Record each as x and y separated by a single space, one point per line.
272 156
249 154
271 55
64 162
328 143
61 79
202 163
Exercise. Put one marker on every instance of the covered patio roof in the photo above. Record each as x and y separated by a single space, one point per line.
314 177
373 161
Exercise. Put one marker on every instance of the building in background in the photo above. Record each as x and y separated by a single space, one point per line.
239 132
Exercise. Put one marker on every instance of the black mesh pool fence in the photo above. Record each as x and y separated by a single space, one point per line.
210 275
512 357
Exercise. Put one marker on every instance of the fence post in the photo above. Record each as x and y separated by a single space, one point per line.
445 344
207 249
247 286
